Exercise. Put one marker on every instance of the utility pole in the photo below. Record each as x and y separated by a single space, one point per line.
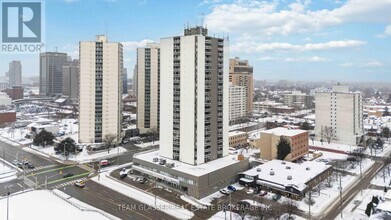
8 196
230 209
118 156
309 204
340 191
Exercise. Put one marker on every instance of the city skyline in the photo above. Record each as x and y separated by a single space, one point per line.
300 40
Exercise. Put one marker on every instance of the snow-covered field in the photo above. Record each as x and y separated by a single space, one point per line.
6 171
82 157
383 178
45 205
355 210
148 199
350 148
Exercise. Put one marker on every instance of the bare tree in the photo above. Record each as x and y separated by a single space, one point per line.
328 133
289 206
109 140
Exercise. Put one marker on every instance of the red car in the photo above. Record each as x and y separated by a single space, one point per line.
104 162
263 193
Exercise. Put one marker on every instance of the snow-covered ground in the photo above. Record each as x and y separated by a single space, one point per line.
82 157
148 144
230 215
45 205
7 172
350 148
10 136
355 210
383 178
148 199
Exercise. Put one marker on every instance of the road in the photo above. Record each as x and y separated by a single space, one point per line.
112 202
335 209
50 172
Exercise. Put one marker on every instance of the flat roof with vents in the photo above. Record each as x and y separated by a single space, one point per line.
284 173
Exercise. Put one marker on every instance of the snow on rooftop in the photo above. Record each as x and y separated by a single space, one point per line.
284 131
25 206
199 170
234 133
299 173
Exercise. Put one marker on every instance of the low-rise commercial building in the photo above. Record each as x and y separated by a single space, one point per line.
298 140
290 179
15 93
197 181
7 117
237 138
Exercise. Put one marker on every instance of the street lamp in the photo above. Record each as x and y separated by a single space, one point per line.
8 195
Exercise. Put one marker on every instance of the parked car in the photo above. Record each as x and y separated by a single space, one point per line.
80 183
143 180
30 166
231 188
104 162
123 173
67 175
256 191
263 193
162 162
225 192
276 197
155 159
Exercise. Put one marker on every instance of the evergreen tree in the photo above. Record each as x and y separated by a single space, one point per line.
305 126
386 112
43 138
385 132
283 148
66 146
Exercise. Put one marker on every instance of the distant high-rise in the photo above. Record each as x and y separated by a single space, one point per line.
237 102
50 73
70 80
194 97
125 81
100 95
148 75
241 74
134 81
339 115
15 73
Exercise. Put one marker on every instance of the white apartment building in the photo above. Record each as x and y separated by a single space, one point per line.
148 72
194 100
100 104
341 110
237 102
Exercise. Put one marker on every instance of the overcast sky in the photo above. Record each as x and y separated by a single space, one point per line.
282 39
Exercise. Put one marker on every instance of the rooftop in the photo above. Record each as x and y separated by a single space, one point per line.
199 170
234 133
300 173
284 131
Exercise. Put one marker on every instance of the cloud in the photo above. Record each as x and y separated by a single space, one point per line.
373 63
347 64
290 59
209 2
133 45
368 63
267 18
287 47
388 30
